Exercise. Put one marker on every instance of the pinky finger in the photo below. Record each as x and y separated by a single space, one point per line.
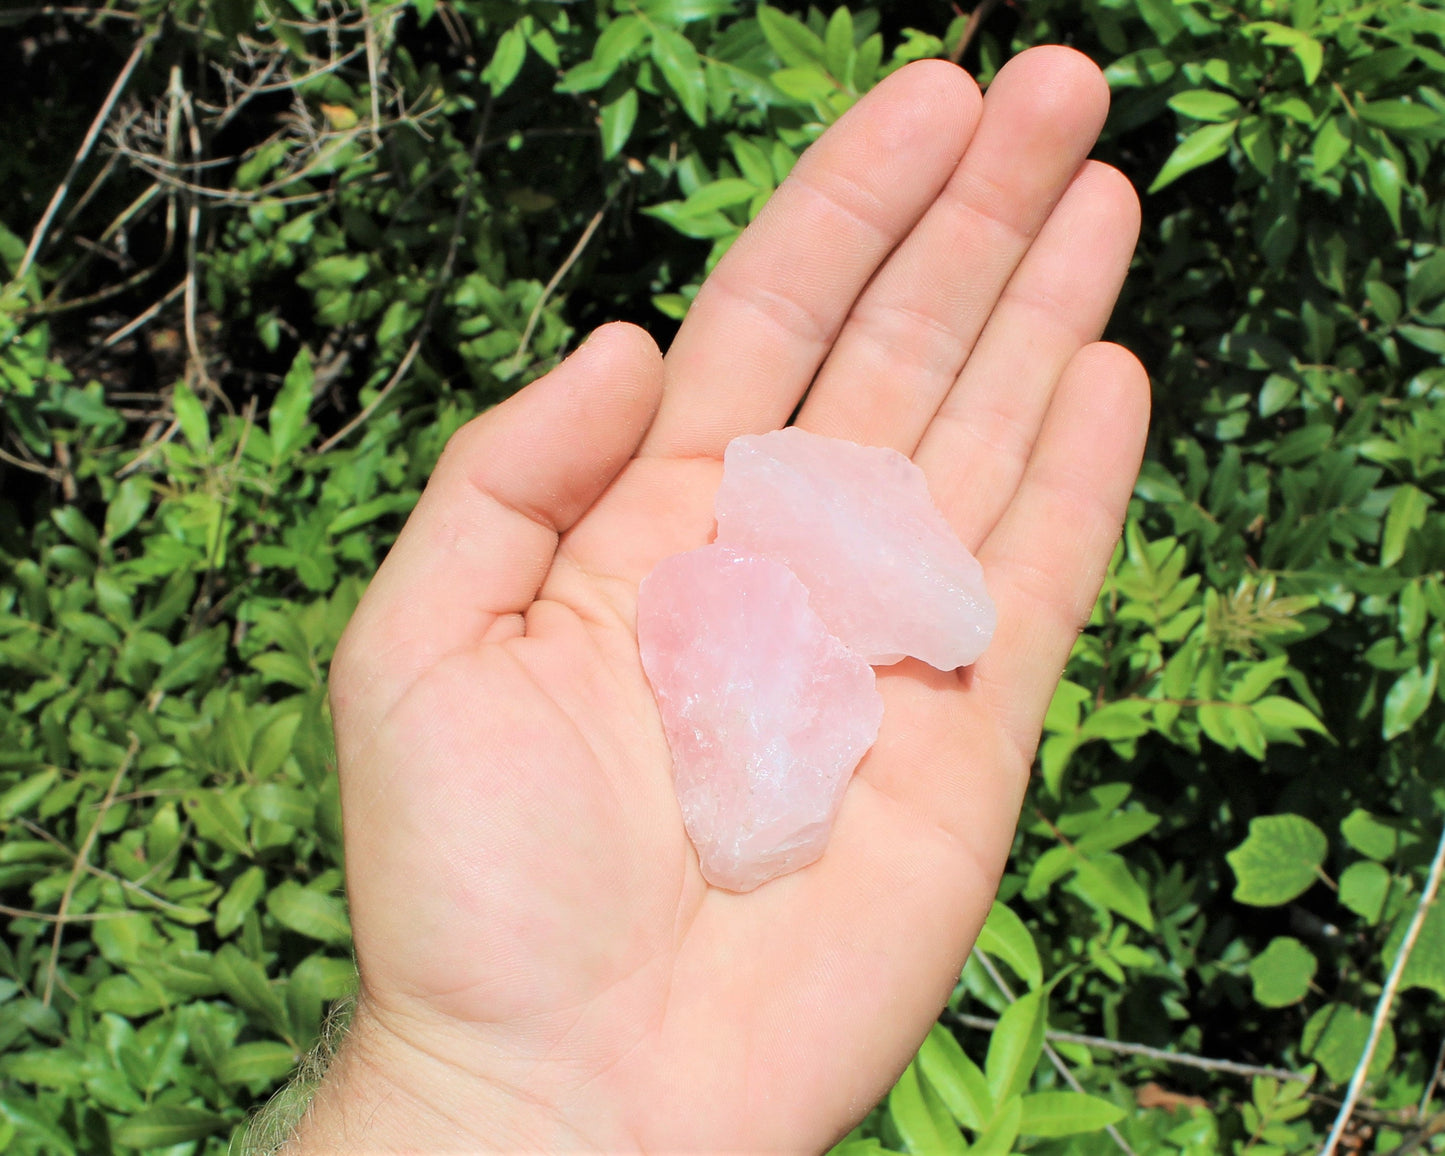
1046 557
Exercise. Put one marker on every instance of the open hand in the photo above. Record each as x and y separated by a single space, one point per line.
542 964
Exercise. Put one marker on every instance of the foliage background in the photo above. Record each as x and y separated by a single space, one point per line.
309 238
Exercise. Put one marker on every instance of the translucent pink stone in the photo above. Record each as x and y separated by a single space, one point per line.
857 525
766 712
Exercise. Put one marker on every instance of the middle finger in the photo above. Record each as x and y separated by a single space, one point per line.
911 331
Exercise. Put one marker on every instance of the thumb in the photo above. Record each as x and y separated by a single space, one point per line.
483 536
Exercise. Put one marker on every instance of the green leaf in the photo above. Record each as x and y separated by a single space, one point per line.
219 819
618 41
1005 937
1281 973
26 793
77 527
367 512
617 119
260 1062
956 1078
1015 1045
507 58
1106 882
166 1125
1204 144
310 913
1117 721
998 1138
922 1123
194 422
193 660
1423 337
1145 68
338 272
1385 182
241 897
245 983
1307 50
752 162
1285 714
808 85
287 419
1364 887
588 76
1426 280
715 195
1335 1038
1115 832
1206 104
681 67
1369 835
1408 699
1426 965
1163 19
1279 860
1066 1114
1406 513
128 506
685 11
797 45
1331 145
1398 115
838 44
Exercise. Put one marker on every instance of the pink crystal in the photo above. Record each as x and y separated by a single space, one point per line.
856 524
766 712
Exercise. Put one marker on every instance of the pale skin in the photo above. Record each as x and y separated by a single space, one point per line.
543 967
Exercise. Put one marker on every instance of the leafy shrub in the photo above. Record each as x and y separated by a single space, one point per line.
320 236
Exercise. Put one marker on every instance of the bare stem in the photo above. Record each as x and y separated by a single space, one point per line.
37 239
1387 997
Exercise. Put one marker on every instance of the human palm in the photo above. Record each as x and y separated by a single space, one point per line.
542 963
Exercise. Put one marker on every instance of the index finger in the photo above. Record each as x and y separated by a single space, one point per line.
766 317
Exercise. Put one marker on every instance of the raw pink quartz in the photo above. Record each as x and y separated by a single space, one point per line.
857 525
766 712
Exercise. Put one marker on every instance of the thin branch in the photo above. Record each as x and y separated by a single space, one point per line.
73 10
1434 1079
115 337
1414 1142
1184 1059
92 135
181 106
372 70
20 463
1054 1057
81 856
49 917
1387 997
140 459
976 18
551 286
464 200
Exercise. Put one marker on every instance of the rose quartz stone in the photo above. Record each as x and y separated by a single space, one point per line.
766 712
856 524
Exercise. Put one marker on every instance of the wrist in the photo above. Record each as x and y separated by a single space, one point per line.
389 1092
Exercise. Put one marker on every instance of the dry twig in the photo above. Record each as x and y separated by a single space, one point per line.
556 279
444 277
81 857
1184 1059
971 26
1054 1057
1387 998
37 239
